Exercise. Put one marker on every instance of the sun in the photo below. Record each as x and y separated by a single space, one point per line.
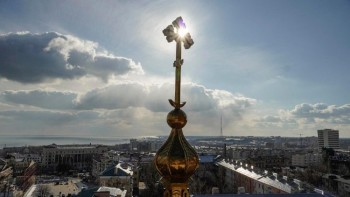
182 32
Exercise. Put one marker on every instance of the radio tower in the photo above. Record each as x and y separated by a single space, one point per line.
221 133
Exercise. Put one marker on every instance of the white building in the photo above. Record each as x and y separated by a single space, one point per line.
328 138
304 160
76 156
32 157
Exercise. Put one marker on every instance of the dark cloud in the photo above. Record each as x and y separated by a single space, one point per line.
113 97
131 107
275 123
34 58
51 122
88 115
37 117
133 95
155 98
40 98
271 119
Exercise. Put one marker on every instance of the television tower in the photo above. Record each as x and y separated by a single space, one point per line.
221 132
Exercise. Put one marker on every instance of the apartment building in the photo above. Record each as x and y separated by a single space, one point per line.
328 138
77 157
304 160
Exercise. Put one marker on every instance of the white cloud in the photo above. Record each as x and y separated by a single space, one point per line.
321 112
307 119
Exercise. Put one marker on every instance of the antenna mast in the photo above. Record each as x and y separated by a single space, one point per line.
221 133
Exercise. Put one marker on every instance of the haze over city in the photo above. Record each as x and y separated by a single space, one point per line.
104 68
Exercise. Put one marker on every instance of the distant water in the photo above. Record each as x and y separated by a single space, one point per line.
37 140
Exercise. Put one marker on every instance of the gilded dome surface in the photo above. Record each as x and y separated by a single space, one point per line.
176 160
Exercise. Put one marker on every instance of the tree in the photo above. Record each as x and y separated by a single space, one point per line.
344 170
43 191
326 153
114 183
151 179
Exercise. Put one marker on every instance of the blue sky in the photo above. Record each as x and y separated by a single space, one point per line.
96 68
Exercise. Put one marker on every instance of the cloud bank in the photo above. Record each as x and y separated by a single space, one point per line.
122 96
34 58
307 119
321 112
125 105
122 106
128 109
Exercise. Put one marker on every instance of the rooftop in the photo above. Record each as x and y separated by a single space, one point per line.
113 191
121 169
272 180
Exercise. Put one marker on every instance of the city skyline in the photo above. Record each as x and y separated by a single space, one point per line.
103 68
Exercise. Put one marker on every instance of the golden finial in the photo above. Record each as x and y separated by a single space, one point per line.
176 161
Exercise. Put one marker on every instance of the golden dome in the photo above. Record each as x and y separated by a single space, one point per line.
176 161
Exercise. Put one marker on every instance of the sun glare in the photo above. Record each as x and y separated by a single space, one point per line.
182 32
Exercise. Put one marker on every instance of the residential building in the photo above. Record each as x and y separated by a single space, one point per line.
145 145
340 164
254 182
268 162
5 176
304 160
120 175
74 157
328 138
339 185
109 192
205 176
27 178
32 157
100 164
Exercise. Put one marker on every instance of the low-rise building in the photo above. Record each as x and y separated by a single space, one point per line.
241 176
